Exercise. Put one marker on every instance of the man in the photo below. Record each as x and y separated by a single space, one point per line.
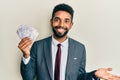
58 57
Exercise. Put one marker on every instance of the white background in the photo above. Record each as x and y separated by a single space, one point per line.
96 24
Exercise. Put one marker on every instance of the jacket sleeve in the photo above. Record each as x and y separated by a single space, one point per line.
28 71
83 74
88 76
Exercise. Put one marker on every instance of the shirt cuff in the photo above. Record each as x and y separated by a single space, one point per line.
26 60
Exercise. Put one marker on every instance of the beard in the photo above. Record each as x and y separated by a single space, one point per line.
58 34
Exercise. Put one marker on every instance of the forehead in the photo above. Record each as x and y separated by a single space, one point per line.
62 15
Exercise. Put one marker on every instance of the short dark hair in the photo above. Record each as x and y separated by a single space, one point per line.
63 7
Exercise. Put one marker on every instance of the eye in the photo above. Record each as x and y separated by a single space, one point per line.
67 21
56 19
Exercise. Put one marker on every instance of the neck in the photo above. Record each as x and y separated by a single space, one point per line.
60 39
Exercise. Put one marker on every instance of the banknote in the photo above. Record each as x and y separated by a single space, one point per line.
27 31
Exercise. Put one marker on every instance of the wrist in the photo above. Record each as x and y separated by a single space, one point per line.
26 56
95 75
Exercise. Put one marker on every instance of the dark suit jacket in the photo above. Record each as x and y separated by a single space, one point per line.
40 64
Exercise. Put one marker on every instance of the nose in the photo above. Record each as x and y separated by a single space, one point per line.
61 23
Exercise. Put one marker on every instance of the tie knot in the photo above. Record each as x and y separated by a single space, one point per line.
59 45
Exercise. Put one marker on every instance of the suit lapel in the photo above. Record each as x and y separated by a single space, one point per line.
70 57
48 56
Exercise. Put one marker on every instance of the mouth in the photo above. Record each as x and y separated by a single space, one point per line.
60 29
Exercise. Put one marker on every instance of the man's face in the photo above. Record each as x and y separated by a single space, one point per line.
61 23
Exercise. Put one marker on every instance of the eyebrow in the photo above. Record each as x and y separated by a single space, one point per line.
59 18
56 18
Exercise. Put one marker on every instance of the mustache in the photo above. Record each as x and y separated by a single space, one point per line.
58 27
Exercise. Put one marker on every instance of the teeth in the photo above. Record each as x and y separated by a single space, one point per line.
60 30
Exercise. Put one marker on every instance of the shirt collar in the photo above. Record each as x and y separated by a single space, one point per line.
55 42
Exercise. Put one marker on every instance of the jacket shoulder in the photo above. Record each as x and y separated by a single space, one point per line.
47 39
76 43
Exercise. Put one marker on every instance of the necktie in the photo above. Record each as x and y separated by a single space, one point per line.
57 63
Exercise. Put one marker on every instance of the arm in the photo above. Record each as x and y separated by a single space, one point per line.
28 70
101 73
83 75
88 76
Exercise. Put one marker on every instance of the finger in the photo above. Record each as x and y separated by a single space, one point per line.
25 38
117 76
114 77
25 41
26 45
23 44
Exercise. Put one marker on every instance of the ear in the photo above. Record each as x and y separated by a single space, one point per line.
51 22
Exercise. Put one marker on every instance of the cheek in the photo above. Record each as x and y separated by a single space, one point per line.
68 26
55 24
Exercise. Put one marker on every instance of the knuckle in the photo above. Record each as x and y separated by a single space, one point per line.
18 46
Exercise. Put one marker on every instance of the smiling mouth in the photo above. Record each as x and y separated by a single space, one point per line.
60 30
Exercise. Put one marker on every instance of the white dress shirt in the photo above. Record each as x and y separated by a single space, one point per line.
64 54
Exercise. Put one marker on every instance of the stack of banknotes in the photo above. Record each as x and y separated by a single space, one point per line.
27 31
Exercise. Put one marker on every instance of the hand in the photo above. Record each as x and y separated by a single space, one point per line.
25 45
104 74
114 77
